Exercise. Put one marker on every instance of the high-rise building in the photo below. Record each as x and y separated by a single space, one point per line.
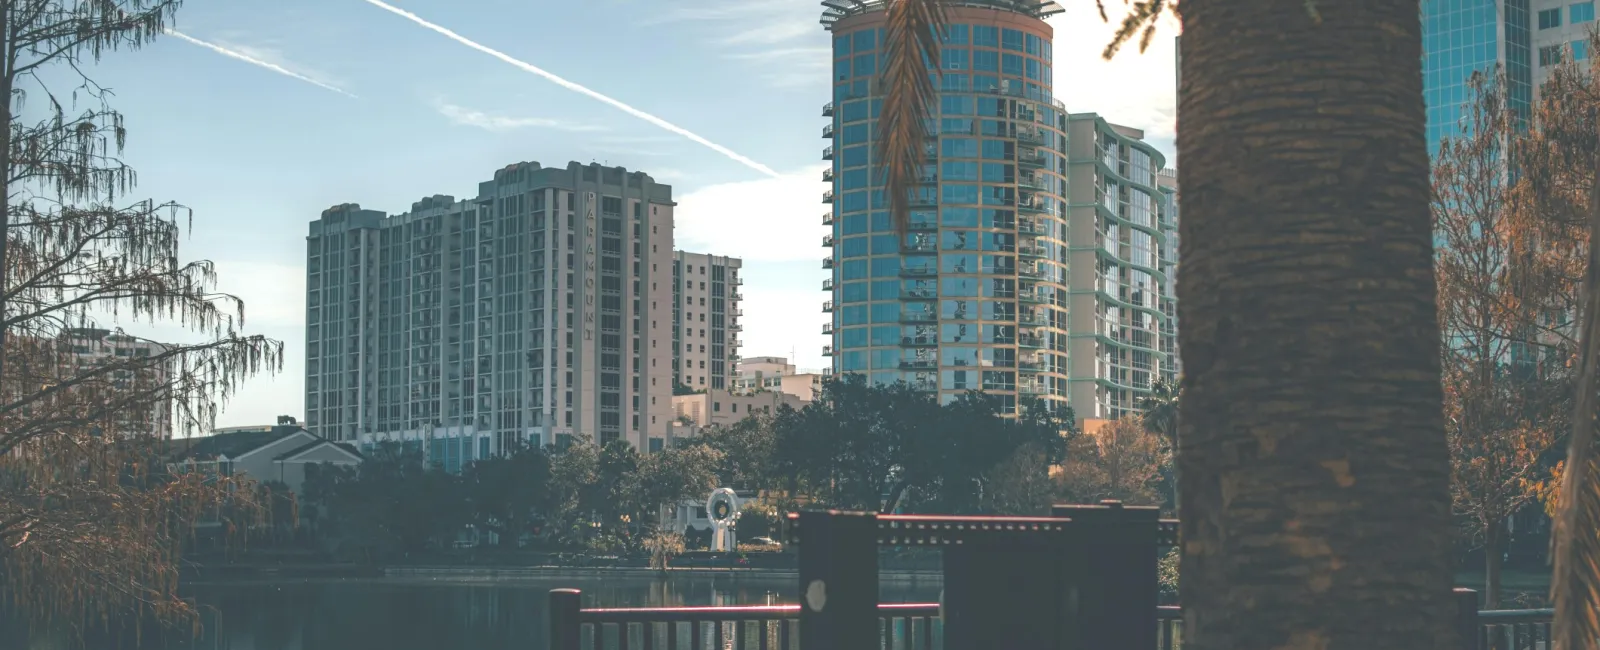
1560 31
113 366
1464 37
1122 246
975 296
705 319
537 312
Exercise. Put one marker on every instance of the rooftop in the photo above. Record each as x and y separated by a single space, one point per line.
833 10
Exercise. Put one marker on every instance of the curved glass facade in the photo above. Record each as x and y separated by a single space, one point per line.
1124 252
975 297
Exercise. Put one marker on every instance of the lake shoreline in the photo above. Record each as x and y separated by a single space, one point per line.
210 574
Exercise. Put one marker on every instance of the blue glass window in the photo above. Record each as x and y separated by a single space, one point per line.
954 58
854 201
1032 67
889 335
985 82
1011 65
959 217
955 125
866 65
852 360
880 222
885 267
1580 50
854 156
959 193
853 292
958 286
956 104
853 337
996 149
854 111
841 45
987 35
886 358
866 40
854 247
854 133
1550 18
885 289
955 34
841 70
957 82
958 148
1033 44
1011 39
885 245
886 312
854 179
959 170
997 172
986 60
853 315
854 269
1049 55
855 224
1580 12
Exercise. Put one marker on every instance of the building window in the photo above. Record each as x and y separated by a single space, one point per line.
1580 50
1550 55
1580 12
1550 18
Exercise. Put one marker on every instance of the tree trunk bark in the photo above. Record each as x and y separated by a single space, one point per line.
1493 540
1312 457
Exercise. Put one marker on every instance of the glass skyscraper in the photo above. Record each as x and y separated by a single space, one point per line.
1463 37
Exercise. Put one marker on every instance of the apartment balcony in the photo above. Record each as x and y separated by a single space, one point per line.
827 329
827 132
922 225
1034 342
1033 320
920 294
736 296
1032 390
919 317
1028 207
918 342
923 202
827 109
736 327
920 247
1036 252
827 350
1024 162
1030 227
919 364
827 241
827 175
827 285
738 282
827 262
737 313
1029 138
827 306
911 271
928 179
1030 272
1030 184
1032 367
1030 297
827 154
827 218
827 197
924 386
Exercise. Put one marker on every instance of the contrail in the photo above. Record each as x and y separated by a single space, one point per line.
575 87
257 62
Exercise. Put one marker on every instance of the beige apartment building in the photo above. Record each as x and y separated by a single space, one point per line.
721 407
777 375
705 320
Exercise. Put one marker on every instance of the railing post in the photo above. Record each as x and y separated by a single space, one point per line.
565 622
1116 573
1467 617
838 581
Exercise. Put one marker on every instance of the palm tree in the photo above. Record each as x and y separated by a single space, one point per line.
912 33
1161 411
1312 463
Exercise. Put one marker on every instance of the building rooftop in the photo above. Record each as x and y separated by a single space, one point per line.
833 10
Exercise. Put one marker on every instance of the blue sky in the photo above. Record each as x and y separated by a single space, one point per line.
258 154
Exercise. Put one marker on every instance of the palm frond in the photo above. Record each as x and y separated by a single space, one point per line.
1141 21
1575 585
912 36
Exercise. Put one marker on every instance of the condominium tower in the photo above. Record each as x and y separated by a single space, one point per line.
705 319
538 311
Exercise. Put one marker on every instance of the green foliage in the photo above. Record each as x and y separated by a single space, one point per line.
756 520
509 494
391 504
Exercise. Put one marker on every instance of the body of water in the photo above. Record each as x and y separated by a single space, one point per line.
416 614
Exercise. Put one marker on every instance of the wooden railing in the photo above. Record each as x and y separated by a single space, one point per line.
909 626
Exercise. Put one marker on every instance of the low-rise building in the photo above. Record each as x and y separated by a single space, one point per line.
721 407
776 374
265 454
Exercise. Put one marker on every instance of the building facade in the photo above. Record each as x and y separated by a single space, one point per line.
1122 238
777 375
1560 31
1464 37
705 319
113 366
537 312
976 296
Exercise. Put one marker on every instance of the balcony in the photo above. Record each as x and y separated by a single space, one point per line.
923 386
738 282
827 262
1030 271
923 202
919 364
827 306
738 313
735 327
827 154
927 179
827 285
827 241
827 132
827 218
1034 390
827 197
827 328
1030 366
736 296
1024 162
1027 208
827 109
920 294
1030 227
920 247
1030 184
1030 297
926 316
1030 342
1029 138
907 272
1036 252
827 175
827 350
918 342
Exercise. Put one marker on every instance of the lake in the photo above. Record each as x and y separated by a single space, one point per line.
420 614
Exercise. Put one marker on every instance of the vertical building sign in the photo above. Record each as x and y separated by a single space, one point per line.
587 416
588 268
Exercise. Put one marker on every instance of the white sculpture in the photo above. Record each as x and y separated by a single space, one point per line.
722 508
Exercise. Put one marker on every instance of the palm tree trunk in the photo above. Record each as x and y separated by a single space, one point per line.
1312 457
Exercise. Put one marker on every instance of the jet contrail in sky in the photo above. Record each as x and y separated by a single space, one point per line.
575 87
257 62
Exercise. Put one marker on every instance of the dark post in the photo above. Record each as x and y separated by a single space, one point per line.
838 581
1467 617
565 624
1116 574
1007 594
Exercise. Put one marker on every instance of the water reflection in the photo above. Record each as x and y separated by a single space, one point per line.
412 614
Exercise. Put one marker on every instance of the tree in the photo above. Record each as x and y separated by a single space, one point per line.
671 475
509 493
91 524
747 452
1498 283
393 503
1161 411
1121 460
1312 457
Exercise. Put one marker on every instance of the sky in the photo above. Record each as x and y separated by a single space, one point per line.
259 115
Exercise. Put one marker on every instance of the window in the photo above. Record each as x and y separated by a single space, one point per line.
1580 50
1550 18
1580 12
1550 55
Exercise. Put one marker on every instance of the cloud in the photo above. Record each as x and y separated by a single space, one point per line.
779 39
1132 89
770 219
261 58
469 117
575 87
783 314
